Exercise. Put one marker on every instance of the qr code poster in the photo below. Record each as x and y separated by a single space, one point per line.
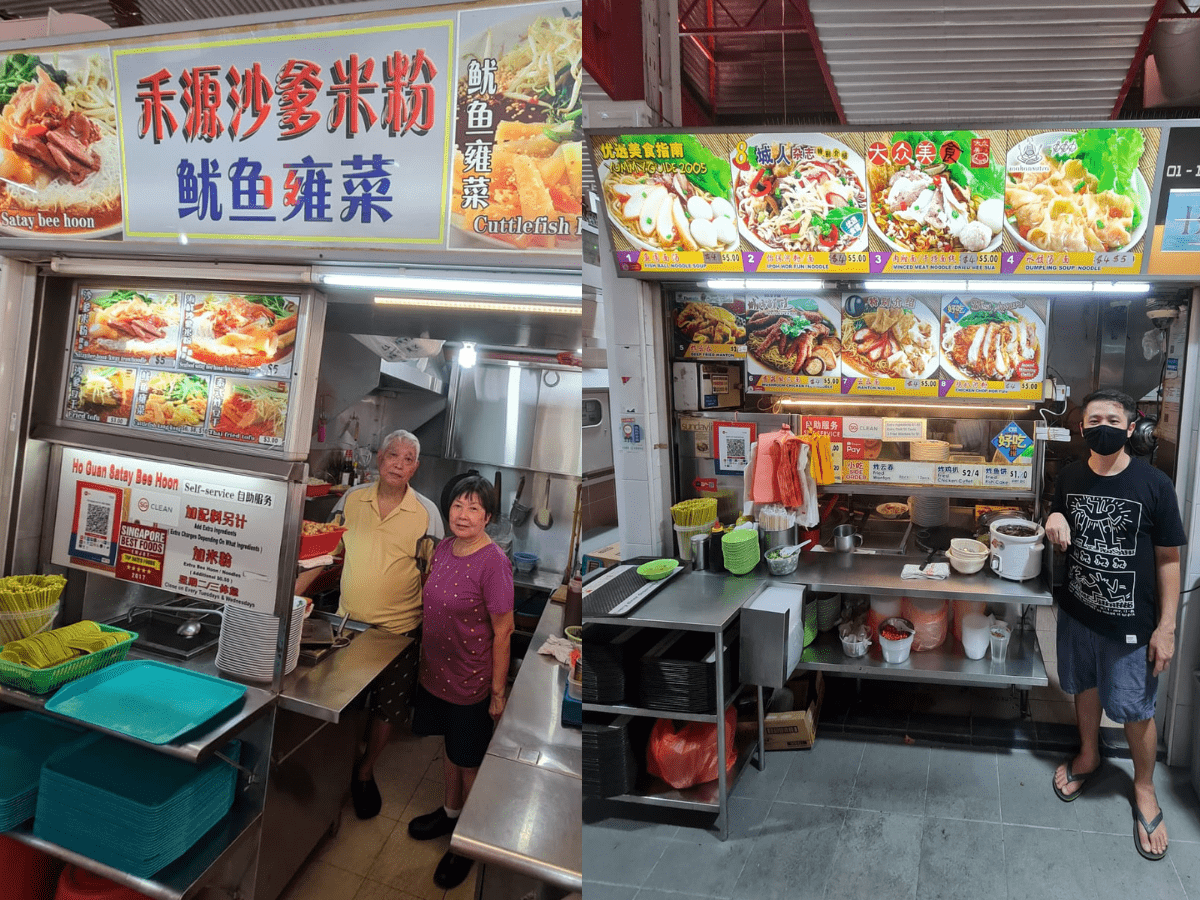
733 441
98 514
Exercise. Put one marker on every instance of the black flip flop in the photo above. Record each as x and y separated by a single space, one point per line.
1071 778
1150 827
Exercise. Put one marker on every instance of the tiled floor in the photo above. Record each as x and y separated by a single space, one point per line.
375 859
856 817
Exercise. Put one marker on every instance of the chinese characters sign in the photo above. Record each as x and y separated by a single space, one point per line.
203 533
335 137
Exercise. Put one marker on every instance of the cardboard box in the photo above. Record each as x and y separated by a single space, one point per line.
602 558
797 730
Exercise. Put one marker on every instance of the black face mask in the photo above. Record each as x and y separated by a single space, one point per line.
1105 439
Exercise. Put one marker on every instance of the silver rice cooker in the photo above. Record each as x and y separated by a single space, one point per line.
1017 545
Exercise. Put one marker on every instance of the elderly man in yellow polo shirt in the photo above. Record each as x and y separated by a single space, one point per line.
381 585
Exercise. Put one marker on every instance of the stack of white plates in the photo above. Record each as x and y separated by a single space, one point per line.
929 512
246 647
929 451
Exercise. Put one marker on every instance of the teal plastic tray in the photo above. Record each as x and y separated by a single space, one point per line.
147 700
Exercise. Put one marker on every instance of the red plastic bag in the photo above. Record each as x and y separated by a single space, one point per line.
689 756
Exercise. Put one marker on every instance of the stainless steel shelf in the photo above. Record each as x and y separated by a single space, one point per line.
692 601
181 879
199 744
701 797
877 573
663 713
947 664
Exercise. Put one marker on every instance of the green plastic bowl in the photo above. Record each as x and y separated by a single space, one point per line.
657 569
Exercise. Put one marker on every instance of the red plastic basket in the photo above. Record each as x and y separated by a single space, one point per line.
320 544
316 490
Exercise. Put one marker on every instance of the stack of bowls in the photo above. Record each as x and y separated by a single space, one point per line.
967 556
740 550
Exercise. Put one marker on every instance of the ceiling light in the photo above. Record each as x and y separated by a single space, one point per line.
1121 287
553 309
914 284
435 285
466 355
764 284
144 268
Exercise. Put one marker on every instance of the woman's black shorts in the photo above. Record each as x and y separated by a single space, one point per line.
467 729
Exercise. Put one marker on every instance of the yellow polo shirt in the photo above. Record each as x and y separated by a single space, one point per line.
380 581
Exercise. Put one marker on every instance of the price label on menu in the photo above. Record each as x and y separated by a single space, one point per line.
1007 476
956 475
889 472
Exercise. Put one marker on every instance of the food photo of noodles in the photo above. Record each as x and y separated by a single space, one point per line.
994 344
799 196
127 324
928 197
1077 191
173 401
253 411
793 342
669 212
890 342
59 152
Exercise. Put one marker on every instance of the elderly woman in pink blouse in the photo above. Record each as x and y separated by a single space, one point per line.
468 605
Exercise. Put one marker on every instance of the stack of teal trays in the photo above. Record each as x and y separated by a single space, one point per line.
26 741
130 807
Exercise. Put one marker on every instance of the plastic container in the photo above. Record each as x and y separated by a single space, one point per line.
783 565
896 651
316 490
998 635
855 642
882 608
80 884
829 610
965 565
931 619
43 681
975 635
525 562
320 544
960 609
29 874
683 537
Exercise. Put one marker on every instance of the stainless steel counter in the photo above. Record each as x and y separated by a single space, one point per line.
323 690
693 601
525 808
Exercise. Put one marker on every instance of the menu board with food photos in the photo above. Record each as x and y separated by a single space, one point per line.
200 365
884 344
971 202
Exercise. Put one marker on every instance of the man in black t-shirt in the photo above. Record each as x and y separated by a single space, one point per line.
1117 518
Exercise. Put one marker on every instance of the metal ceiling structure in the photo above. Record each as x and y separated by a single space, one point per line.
130 13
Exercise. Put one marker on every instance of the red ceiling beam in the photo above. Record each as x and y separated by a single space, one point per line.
1139 57
739 30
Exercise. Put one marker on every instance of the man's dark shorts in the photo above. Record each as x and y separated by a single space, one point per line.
1120 671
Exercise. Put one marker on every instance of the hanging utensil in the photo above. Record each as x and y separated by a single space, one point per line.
519 514
544 519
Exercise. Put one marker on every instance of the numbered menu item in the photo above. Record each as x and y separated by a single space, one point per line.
171 401
937 191
709 329
236 331
799 193
888 337
126 324
668 192
1077 191
249 411
994 339
100 393
796 339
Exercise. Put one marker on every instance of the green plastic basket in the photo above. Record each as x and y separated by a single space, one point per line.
43 681
657 569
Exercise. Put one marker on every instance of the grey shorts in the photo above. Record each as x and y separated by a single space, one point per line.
392 691
1122 673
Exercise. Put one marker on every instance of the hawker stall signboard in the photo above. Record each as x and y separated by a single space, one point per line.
335 136
916 202
210 366
60 156
203 533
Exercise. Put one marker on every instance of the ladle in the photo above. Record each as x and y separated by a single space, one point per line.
794 549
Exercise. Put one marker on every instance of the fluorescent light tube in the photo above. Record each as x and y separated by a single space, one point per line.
765 285
216 271
1027 287
1121 287
553 309
466 356
436 285
914 284
894 401
726 284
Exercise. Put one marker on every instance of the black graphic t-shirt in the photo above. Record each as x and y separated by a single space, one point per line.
1116 522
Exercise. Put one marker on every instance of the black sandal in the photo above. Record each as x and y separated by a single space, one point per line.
1071 779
